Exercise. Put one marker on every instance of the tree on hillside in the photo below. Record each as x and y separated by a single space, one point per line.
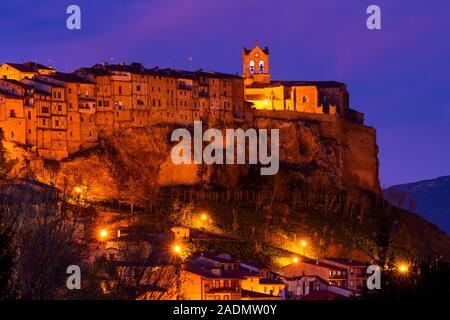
381 252
47 243
131 275
181 214
234 223
133 191
7 254
5 165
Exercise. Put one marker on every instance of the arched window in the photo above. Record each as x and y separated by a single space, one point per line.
305 99
261 66
252 66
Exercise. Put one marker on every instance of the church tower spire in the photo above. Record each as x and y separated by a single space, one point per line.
255 64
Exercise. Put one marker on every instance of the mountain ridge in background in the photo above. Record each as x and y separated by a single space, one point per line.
428 198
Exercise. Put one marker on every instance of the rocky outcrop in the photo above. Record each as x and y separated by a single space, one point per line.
324 148
341 152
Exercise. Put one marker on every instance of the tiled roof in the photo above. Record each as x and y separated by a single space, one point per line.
46 82
207 273
294 83
69 77
215 255
36 65
227 274
28 66
137 68
253 294
21 67
321 84
18 83
324 265
270 281
318 263
347 262
9 94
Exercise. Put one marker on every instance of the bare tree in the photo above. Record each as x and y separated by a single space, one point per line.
134 191
46 242
5 165
181 214
134 275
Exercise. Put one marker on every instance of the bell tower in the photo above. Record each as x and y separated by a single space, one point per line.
255 65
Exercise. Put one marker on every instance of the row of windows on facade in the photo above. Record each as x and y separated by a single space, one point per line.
46 110
157 103
44 121
57 124
86 92
183 92
234 285
201 80
58 95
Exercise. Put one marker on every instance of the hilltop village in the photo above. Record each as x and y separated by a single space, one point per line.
59 114
62 113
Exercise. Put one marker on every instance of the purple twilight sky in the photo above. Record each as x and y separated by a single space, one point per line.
398 76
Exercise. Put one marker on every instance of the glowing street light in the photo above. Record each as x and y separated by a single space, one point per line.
303 244
266 102
403 268
103 234
204 217
177 249
295 260
78 189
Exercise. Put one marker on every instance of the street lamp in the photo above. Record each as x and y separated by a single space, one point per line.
295 259
103 234
303 244
177 249
403 268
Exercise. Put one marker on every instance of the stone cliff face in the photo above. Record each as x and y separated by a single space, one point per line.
343 153
326 148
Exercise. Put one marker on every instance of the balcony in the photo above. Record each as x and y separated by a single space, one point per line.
86 98
184 86
335 276
222 289
86 109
